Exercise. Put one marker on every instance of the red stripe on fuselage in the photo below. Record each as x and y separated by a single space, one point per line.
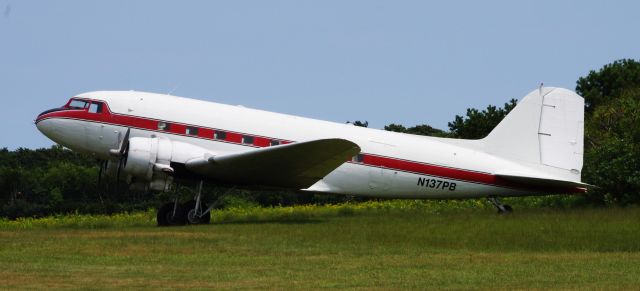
385 162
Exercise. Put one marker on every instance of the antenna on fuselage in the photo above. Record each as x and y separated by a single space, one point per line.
174 88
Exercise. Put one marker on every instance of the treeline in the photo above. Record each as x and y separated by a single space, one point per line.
57 180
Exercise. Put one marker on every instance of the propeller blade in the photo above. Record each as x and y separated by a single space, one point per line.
124 144
100 171
125 154
123 151
117 186
119 170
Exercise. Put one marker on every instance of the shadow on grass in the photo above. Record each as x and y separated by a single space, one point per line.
273 221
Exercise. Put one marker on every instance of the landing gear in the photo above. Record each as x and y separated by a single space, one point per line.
196 211
170 214
193 212
502 208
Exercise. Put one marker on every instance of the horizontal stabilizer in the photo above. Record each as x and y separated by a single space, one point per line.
296 165
543 182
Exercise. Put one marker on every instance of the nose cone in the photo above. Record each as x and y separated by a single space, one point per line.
44 113
67 132
44 124
47 127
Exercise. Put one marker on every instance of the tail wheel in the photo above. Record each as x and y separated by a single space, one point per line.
166 215
191 216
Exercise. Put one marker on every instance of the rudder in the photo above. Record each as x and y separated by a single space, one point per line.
545 130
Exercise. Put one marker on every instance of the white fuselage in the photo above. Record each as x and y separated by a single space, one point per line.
391 164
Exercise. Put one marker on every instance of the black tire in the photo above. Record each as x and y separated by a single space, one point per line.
189 211
165 215
506 209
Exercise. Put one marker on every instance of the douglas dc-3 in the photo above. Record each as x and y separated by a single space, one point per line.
153 138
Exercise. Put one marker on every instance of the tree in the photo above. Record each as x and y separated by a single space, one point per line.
422 129
608 83
395 127
478 124
612 150
360 123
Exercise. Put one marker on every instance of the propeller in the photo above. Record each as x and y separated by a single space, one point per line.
122 152
102 167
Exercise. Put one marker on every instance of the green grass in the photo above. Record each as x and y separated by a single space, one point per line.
377 245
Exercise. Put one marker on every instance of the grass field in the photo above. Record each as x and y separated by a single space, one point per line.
370 246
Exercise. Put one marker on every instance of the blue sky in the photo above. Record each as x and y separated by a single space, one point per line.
407 62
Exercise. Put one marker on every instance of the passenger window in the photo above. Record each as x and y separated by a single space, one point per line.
191 130
247 139
77 104
95 107
275 142
220 135
163 125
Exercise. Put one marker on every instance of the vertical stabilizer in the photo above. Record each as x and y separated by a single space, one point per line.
544 131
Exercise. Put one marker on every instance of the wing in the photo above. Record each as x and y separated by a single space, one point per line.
296 165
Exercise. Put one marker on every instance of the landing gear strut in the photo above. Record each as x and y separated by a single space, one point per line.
502 208
171 213
193 212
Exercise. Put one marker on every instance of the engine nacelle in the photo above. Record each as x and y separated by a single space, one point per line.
148 160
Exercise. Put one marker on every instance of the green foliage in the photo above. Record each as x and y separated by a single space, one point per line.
234 201
608 83
56 180
612 156
612 132
396 128
82 221
360 123
478 124
239 209
422 129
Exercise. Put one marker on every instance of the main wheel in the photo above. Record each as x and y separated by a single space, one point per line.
190 213
166 218
507 209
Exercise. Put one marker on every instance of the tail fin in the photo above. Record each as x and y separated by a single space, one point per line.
545 130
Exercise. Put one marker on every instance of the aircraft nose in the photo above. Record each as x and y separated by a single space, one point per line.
53 129
44 126
45 112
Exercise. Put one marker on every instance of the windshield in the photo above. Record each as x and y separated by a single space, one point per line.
77 104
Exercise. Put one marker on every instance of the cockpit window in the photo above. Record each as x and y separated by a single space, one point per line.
77 104
95 107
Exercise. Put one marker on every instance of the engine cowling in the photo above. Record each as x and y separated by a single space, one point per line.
148 161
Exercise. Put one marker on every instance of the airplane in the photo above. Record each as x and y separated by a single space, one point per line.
537 149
